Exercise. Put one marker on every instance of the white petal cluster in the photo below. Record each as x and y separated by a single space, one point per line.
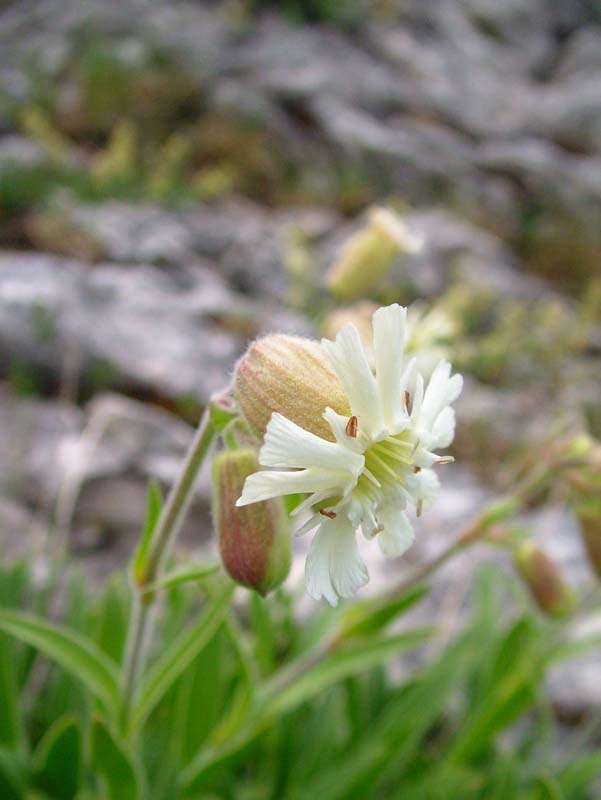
379 463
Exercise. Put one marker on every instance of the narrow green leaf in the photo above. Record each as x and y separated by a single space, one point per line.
179 655
13 776
194 572
11 724
72 651
154 505
110 759
58 760
579 774
110 620
348 660
370 616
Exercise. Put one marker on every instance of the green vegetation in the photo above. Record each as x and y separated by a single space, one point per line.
225 717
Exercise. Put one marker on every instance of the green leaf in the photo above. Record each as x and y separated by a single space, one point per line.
579 774
179 655
110 759
195 572
347 660
154 505
370 616
72 651
13 776
58 760
11 724
509 686
110 619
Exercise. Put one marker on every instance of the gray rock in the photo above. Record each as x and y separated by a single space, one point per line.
19 151
151 329
86 475
22 533
239 240
457 250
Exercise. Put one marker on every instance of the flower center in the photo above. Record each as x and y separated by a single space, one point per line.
387 462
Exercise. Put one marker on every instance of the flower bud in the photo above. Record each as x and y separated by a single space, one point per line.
590 526
585 484
290 375
544 579
254 540
368 255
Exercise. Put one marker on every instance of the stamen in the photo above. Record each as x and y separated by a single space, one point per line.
419 508
394 442
382 465
395 455
370 476
444 460
407 397
417 469
329 514
351 427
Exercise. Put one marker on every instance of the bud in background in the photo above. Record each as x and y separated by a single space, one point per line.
590 527
254 540
544 580
585 484
368 255
428 332
292 376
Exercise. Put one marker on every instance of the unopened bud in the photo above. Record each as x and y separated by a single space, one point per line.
292 376
590 526
254 540
544 580
368 255
585 483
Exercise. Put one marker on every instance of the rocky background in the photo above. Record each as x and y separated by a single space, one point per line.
176 178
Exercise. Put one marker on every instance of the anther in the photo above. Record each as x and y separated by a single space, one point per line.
417 469
329 514
419 508
444 460
407 397
351 427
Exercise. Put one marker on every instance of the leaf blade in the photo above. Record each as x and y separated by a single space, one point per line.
178 656
72 651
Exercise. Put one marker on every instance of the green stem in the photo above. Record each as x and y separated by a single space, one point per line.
168 525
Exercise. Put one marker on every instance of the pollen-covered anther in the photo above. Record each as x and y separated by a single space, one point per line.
351 427
329 514
417 469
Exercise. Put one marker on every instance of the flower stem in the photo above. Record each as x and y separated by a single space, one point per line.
167 528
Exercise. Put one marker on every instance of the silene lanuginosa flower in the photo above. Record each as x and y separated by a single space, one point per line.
366 459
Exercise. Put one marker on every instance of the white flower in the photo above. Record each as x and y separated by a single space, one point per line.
378 465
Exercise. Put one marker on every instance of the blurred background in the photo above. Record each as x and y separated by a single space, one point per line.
177 178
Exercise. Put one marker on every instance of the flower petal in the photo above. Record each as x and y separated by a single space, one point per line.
441 391
443 430
334 567
349 361
397 533
287 445
389 342
268 484
317 569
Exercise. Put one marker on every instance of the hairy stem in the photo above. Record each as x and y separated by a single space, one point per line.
167 528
